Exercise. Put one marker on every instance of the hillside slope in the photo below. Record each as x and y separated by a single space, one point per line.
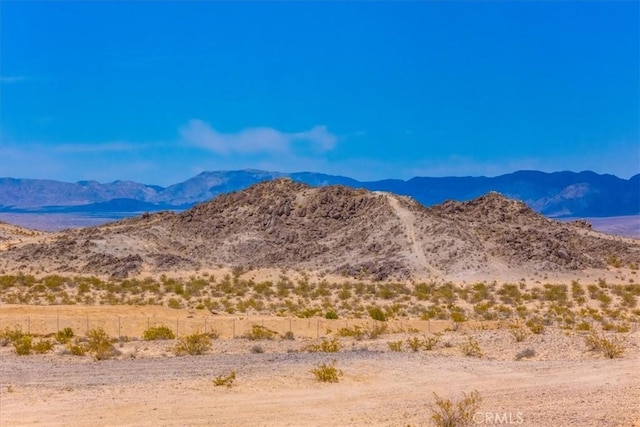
332 230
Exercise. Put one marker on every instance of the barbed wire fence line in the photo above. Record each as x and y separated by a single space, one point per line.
226 327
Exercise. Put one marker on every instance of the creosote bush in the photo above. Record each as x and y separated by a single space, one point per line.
611 347
158 333
327 372
65 335
449 413
324 346
194 345
99 344
395 345
258 332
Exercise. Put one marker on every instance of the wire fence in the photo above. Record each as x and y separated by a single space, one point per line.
224 327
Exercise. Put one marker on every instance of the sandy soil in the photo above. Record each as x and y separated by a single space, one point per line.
563 385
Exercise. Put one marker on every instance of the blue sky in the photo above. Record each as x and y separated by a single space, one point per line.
157 92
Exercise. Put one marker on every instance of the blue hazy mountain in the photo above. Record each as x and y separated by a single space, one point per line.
558 194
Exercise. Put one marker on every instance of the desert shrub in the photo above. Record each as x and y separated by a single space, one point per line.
63 336
375 329
471 348
449 413
611 347
258 332
331 314
9 335
158 333
526 353
194 345
23 346
518 332
415 343
376 313
99 344
77 348
370 330
430 342
327 372
395 345
324 346
536 325
225 380
583 326
42 347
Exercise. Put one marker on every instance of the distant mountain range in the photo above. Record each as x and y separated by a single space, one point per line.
558 194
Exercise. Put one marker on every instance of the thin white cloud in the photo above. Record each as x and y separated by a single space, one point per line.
11 79
254 140
95 148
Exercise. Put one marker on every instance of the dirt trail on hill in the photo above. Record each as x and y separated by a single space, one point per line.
408 221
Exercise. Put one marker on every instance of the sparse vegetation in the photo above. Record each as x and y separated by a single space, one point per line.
526 353
65 335
194 345
324 346
470 347
225 380
158 333
395 345
99 344
327 372
258 332
450 413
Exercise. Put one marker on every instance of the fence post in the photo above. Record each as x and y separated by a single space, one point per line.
29 325
289 324
58 323
87 325
119 329
177 330
429 325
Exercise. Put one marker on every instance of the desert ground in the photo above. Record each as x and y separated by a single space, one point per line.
563 384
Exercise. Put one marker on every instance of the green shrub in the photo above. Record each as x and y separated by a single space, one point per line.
611 347
42 347
63 336
23 346
260 333
430 342
395 345
327 373
324 346
447 413
77 348
99 344
415 343
9 335
331 314
194 344
158 333
376 313
536 325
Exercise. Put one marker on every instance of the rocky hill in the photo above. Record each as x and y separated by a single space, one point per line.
332 230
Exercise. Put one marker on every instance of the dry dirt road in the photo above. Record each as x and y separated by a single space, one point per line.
275 388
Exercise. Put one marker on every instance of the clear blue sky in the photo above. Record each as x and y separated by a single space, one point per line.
157 92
